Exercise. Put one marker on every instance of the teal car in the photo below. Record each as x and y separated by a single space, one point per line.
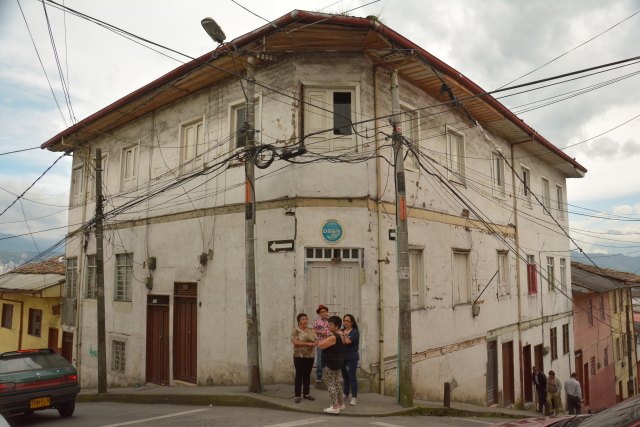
32 380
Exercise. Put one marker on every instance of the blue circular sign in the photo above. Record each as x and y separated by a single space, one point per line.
332 231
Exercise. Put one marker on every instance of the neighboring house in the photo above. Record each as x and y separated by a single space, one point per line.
488 268
30 296
606 358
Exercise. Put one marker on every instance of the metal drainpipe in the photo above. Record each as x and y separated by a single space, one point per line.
2 297
379 229
518 273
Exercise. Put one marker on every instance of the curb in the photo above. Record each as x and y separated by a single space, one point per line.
261 402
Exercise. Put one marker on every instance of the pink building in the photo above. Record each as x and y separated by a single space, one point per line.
595 352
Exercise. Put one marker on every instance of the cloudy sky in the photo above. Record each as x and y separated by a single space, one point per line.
492 42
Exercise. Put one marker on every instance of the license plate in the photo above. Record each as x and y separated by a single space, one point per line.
40 402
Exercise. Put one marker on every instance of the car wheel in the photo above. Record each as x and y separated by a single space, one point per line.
66 409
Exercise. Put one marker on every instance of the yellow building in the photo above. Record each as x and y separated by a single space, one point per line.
30 297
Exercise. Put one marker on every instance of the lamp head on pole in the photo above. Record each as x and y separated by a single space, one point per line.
213 29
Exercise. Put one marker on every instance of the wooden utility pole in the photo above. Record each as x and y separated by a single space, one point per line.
102 345
404 382
253 344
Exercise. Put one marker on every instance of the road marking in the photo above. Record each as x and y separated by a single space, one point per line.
472 421
304 422
177 414
381 424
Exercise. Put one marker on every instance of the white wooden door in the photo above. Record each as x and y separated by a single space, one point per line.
336 285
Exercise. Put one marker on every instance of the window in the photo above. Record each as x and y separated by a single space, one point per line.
565 339
559 202
551 274
341 106
590 312
621 301
35 322
129 168
504 287
624 344
76 186
497 174
601 307
90 288
606 356
592 363
563 274
553 336
546 196
124 277
416 267
614 294
104 165
239 123
7 316
118 356
526 186
410 126
532 275
618 354
71 280
456 156
461 282
191 145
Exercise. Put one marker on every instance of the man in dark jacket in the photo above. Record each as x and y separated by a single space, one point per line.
540 381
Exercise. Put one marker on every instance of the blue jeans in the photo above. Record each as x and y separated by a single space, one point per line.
349 369
318 364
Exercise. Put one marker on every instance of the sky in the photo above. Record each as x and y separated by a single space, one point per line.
491 42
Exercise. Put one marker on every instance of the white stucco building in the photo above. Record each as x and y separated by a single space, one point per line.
483 313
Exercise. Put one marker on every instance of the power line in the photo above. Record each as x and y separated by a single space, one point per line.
18 151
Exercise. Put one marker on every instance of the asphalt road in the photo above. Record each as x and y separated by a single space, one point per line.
121 414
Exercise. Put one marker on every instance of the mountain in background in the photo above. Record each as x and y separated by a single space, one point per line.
21 249
619 262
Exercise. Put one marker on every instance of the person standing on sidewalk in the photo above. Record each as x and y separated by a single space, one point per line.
304 342
332 360
351 340
554 386
574 394
540 381
321 328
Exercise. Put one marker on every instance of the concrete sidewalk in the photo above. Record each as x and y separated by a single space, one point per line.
281 397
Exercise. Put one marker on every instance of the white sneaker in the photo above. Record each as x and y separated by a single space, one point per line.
332 410
353 402
343 407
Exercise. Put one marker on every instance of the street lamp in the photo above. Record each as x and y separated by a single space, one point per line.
253 345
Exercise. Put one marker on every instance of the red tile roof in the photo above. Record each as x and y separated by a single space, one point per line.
54 265
629 278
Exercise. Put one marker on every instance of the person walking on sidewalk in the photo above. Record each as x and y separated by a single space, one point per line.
332 360
321 328
540 381
351 340
554 386
304 342
574 394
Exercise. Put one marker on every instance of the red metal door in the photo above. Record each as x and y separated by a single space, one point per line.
508 385
185 332
158 339
67 346
53 340
528 378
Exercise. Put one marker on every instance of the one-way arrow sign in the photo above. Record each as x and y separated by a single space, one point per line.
280 245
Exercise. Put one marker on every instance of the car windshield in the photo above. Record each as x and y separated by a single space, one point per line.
30 361
617 416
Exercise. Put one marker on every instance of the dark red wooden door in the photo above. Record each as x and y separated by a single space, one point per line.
528 378
53 340
492 372
185 332
67 346
508 385
158 339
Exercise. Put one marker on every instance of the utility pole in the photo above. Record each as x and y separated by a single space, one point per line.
631 383
253 344
404 385
102 345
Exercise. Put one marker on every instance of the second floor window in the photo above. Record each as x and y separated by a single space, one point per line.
35 322
455 154
563 274
526 186
71 279
129 168
91 282
497 174
590 312
328 119
546 196
191 144
551 274
77 182
461 279
532 275
503 273
416 267
559 202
